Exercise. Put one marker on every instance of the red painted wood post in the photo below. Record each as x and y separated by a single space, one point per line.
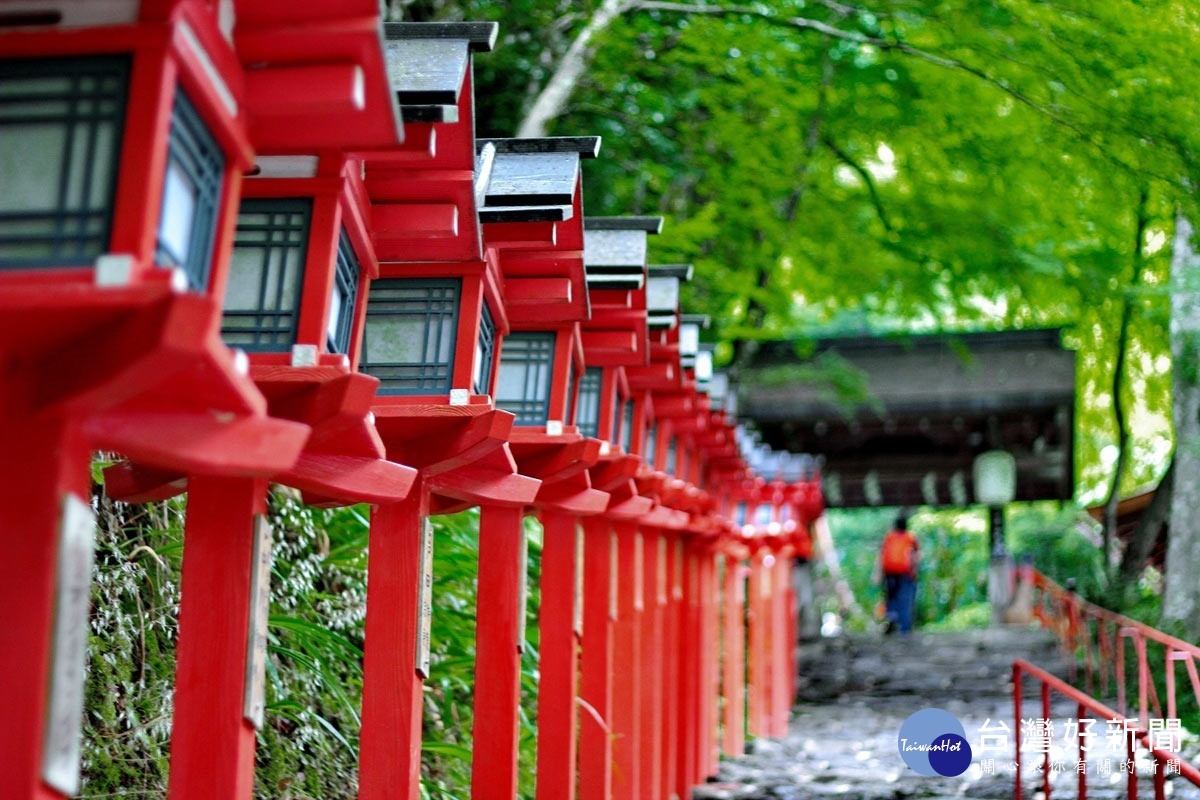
769 641
596 672
781 645
650 674
627 689
699 757
499 610
44 462
689 684
733 743
756 655
710 755
559 665
392 706
793 606
212 743
672 665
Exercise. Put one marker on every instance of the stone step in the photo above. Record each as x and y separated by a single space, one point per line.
856 691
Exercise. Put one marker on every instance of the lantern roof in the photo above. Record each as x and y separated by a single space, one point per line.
428 62
662 293
614 250
627 223
316 76
425 193
534 180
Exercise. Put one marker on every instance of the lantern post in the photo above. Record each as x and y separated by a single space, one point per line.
111 290
293 301
534 227
434 321
615 337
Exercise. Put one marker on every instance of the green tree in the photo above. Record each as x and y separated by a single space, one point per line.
958 164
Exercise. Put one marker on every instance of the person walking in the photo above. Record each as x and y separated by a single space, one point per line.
898 559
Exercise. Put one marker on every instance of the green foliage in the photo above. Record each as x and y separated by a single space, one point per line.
309 745
1062 543
953 571
955 556
446 764
975 615
131 648
960 165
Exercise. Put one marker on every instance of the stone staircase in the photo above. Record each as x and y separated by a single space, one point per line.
856 691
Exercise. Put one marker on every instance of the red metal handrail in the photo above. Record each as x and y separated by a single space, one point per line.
1101 634
1086 704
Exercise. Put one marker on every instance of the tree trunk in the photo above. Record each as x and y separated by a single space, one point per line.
552 100
1147 534
1181 595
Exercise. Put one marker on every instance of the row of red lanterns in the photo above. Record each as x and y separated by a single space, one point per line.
253 241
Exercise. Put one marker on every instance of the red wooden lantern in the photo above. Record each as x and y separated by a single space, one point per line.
294 300
124 130
435 316
115 226
613 339
434 320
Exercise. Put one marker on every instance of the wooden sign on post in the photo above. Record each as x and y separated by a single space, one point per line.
254 701
612 576
660 578
578 617
425 600
64 715
523 600
677 587
639 567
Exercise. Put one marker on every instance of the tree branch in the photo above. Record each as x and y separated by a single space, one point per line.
806 24
553 98
811 140
866 177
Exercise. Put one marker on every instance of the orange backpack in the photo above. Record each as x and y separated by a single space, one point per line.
898 549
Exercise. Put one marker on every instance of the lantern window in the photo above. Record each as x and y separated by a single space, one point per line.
412 325
651 445
191 195
572 389
61 124
617 435
587 403
672 456
740 514
627 425
266 272
344 298
523 383
485 350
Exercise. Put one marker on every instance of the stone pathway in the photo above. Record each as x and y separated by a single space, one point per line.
857 691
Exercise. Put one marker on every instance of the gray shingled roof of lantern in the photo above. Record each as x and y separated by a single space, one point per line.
614 248
662 293
627 223
542 179
427 63
533 180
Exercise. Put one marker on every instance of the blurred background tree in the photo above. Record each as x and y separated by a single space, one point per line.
887 166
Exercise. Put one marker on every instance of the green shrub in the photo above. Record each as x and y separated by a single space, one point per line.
308 747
